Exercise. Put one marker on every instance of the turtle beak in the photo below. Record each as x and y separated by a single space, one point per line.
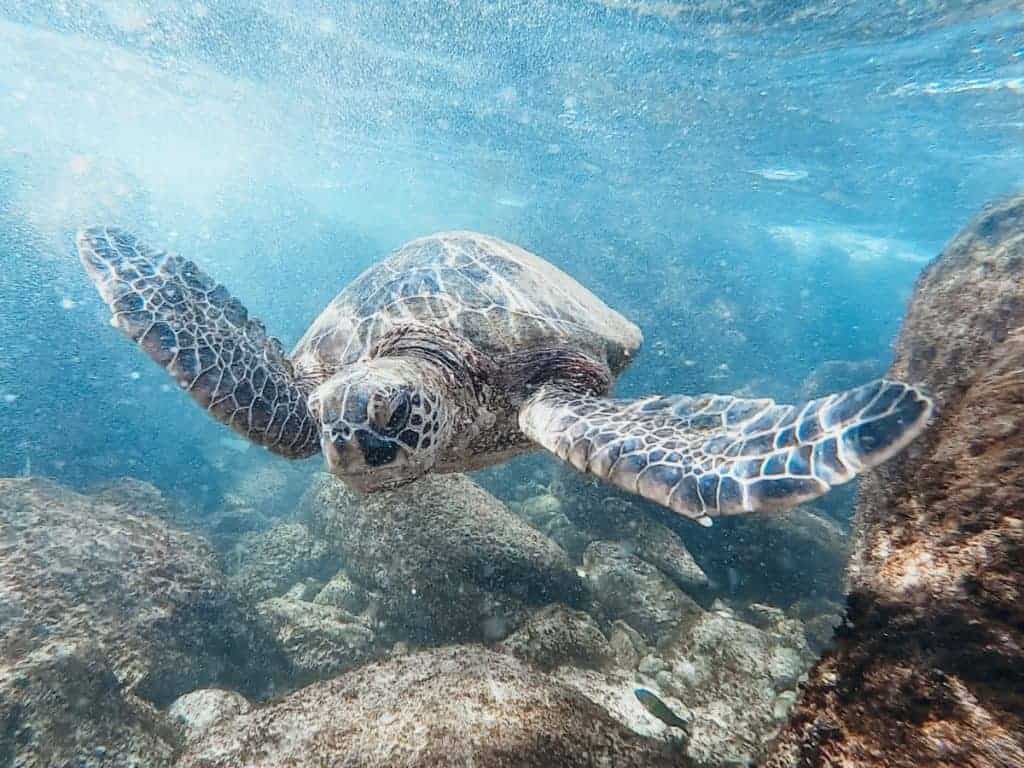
365 462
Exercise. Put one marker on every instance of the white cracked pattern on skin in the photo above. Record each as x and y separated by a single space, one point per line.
721 455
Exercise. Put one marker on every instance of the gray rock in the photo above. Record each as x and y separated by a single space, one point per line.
442 708
625 520
319 641
614 693
304 591
545 513
729 674
448 559
631 589
627 645
152 597
61 705
133 496
779 558
341 592
820 630
270 563
651 665
556 635
200 710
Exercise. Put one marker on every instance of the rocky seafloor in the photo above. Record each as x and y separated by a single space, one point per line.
439 625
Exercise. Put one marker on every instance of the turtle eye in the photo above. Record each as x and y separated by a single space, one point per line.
400 408
389 414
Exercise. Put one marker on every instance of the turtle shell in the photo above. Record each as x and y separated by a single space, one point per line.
499 296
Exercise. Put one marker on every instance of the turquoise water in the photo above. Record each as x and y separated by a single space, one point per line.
756 184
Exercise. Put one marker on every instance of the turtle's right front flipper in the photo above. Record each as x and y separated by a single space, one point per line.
203 337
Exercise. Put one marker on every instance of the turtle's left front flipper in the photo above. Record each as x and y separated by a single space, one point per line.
719 455
203 337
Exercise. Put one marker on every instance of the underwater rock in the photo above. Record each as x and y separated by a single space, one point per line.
134 495
599 515
633 590
627 645
270 563
76 569
341 592
62 705
200 710
930 667
777 559
441 708
556 635
615 693
447 558
319 641
545 513
820 630
729 674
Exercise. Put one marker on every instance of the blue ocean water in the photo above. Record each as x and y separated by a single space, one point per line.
755 183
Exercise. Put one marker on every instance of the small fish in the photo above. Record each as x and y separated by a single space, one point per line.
659 709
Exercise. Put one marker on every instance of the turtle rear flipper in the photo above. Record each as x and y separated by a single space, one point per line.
720 455
203 337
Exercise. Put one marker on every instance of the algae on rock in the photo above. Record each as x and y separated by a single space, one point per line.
930 668
443 708
446 558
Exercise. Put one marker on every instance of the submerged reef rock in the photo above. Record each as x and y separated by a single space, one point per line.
779 559
930 669
74 568
448 560
730 675
197 712
62 705
556 635
454 706
131 495
270 563
633 590
341 592
594 513
319 641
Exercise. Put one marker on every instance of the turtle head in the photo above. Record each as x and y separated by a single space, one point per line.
381 425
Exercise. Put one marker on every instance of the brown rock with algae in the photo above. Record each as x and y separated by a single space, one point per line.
930 670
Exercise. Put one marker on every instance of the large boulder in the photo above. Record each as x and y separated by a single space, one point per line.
75 568
557 636
62 705
781 558
197 712
596 513
444 707
268 564
930 668
636 592
447 559
319 641
732 676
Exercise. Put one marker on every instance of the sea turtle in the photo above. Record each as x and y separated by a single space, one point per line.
461 350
